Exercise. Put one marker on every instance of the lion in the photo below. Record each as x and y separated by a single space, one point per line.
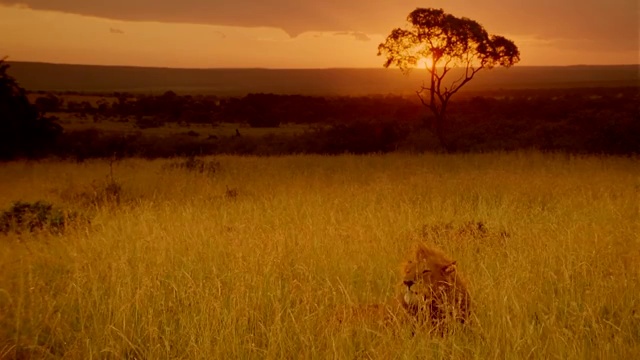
432 296
432 292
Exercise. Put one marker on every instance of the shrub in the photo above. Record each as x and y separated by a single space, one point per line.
356 138
149 122
191 133
29 217
196 165
231 193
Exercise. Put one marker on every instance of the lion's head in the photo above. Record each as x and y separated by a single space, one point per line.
431 285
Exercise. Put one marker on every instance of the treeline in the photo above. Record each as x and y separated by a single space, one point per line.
586 120
591 120
579 120
256 110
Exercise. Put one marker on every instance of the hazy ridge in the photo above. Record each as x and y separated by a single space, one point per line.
92 78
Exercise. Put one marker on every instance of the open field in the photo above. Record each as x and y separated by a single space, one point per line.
251 257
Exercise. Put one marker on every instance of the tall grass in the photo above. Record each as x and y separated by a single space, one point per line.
253 260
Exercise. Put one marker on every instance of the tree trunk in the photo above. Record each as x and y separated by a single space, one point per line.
436 125
440 133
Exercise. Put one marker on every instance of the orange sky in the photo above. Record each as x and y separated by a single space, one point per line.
296 34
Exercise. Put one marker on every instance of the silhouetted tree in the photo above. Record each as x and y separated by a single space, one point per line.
49 103
262 110
448 42
23 130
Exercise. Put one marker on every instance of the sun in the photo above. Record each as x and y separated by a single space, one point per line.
424 63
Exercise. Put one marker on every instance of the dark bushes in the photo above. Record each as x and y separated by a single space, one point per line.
356 138
144 122
194 164
24 130
29 217
593 120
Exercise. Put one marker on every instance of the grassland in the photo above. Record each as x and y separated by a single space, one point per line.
251 258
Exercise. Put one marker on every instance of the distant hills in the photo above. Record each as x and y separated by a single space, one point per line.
95 79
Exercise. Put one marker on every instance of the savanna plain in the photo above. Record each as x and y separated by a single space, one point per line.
249 257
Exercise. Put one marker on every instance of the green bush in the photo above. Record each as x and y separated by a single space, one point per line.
30 217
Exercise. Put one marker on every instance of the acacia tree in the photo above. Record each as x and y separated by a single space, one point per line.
448 42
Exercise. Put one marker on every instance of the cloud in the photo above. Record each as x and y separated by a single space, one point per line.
292 16
599 25
360 36
611 24
220 34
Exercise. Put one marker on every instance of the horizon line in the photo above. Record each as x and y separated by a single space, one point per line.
6 59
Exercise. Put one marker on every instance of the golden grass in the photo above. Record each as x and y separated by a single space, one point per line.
178 269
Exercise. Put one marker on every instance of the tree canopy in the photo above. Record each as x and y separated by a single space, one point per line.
23 130
445 42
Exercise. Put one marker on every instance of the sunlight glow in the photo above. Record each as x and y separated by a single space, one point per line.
424 63
57 37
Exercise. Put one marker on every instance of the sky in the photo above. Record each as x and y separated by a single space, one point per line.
299 33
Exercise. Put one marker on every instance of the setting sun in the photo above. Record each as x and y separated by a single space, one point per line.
424 63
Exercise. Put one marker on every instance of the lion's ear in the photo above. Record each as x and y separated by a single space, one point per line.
449 269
